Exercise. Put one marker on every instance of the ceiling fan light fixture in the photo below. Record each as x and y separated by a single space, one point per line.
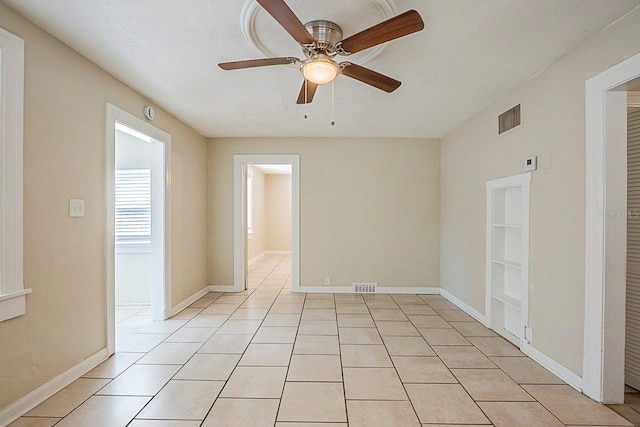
320 69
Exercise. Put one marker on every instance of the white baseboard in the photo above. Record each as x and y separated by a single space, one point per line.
187 302
562 372
380 290
418 290
325 289
565 374
465 307
45 391
556 368
221 288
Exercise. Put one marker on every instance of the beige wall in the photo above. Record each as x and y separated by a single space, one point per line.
278 212
370 208
256 241
553 115
64 157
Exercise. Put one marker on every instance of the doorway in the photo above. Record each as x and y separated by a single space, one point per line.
606 230
268 231
253 237
138 219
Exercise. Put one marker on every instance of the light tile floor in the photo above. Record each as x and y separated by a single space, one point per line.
631 407
268 357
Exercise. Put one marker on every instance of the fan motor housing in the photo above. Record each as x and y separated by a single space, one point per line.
326 33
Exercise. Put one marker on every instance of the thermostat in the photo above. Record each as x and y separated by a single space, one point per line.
531 164
149 112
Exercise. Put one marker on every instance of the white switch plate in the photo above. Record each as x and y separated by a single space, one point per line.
327 281
76 208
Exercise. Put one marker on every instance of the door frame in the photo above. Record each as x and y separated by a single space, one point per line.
605 233
161 295
240 161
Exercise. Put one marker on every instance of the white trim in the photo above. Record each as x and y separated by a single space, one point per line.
633 99
221 288
565 374
20 407
11 174
418 290
325 290
13 304
465 307
562 372
392 290
13 295
239 255
523 181
162 299
188 301
600 380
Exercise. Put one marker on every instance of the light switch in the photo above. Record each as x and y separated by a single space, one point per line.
76 208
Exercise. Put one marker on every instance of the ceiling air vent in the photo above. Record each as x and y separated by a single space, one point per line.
509 119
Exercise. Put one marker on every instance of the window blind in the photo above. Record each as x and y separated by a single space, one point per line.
133 203
632 345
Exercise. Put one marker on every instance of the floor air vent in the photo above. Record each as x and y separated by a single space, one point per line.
364 288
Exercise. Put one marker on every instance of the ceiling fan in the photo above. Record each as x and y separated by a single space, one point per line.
322 41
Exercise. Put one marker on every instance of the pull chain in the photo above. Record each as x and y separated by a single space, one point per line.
306 91
332 101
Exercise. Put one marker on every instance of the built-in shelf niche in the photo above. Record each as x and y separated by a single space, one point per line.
508 256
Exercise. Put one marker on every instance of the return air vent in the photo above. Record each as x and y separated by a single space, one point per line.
365 288
509 119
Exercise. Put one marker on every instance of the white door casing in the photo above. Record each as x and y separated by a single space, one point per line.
605 231
239 229
161 247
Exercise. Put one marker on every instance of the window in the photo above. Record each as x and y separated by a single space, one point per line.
249 203
12 292
133 206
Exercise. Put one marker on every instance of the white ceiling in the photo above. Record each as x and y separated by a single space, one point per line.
470 54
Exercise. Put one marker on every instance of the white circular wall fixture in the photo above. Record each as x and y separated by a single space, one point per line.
149 112
251 9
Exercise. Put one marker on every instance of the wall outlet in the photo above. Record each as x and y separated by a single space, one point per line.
327 281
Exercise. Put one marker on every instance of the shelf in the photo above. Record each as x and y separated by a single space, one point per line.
508 225
507 263
506 299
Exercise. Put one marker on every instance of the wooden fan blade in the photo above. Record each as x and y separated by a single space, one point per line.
396 27
289 21
250 63
311 91
370 77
